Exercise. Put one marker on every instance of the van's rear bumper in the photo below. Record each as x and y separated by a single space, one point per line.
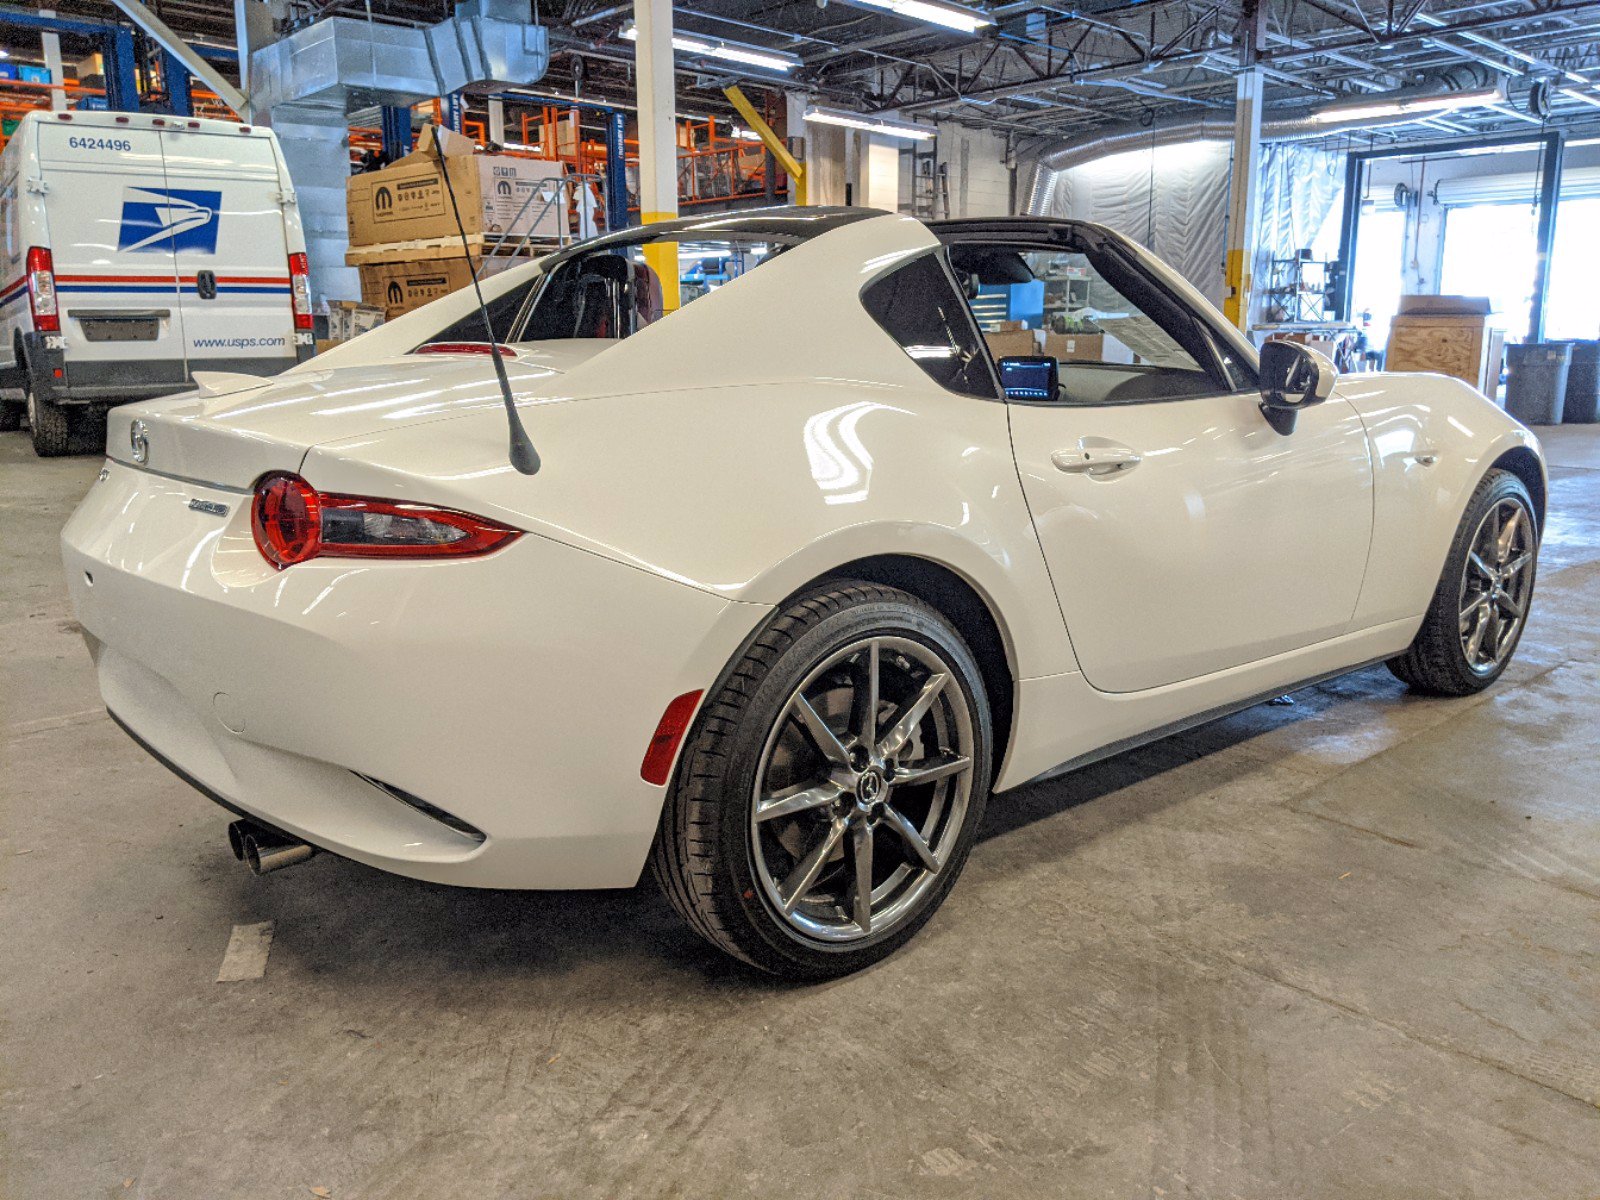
56 378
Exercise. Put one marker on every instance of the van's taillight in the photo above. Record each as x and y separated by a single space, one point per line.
293 523
42 291
300 290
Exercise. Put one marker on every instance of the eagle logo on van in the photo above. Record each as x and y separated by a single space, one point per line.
167 219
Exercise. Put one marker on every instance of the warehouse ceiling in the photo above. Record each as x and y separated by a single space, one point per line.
1051 71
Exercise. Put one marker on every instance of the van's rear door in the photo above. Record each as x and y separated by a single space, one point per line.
236 307
109 216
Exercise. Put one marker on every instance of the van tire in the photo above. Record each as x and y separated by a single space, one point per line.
11 414
51 427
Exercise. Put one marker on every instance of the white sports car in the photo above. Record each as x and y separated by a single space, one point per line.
876 518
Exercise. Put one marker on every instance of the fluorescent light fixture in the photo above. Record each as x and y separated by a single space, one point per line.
739 52
5 53
950 16
744 135
1404 106
885 125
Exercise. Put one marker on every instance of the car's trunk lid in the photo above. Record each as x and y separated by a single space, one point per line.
235 428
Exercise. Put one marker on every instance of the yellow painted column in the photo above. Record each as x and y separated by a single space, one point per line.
658 142
1244 204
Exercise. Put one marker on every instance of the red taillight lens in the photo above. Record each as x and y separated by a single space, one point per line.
663 748
42 291
483 348
300 290
293 522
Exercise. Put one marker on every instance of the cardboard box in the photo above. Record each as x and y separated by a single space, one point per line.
1075 347
1013 343
498 194
400 285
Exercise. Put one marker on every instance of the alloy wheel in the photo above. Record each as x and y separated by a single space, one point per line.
1496 584
862 789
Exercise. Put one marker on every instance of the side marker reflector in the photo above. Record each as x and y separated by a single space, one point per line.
663 749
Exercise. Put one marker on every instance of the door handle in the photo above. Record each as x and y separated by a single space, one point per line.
1096 460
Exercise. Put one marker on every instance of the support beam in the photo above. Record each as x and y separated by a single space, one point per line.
774 144
658 141
395 125
174 45
176 76
497 120
616 171
50 42
122 80
1244 204
1550 163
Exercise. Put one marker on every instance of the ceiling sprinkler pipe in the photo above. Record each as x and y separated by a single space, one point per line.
1122 138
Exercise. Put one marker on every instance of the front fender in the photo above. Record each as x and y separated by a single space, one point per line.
1417 505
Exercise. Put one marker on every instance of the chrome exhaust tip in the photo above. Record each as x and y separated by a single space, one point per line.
264 850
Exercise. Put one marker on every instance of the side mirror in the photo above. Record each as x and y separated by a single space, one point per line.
1030 377
1293 377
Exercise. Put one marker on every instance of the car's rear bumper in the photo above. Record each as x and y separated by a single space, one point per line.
517 692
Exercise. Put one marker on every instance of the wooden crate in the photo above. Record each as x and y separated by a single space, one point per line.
1459 345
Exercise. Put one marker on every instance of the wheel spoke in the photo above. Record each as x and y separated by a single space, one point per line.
822 737
864 720
802 801
907 720
1478 565
799 881
1516 565
1509 602
1508 535
931 769
861 902
1470 611
1475 643
912 837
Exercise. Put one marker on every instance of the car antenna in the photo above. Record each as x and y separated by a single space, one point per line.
523 456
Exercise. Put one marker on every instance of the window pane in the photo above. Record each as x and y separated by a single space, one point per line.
918 308
1051 302
615 292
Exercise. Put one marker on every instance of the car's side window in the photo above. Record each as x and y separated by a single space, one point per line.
1075 308
918 306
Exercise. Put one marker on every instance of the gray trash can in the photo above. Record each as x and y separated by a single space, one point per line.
1536 387
1583 385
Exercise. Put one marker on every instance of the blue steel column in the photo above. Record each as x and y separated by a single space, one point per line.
122 81
616 171
179 102
453 108
396 131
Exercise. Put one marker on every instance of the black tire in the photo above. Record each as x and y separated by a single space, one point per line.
11 414
1436 663
51 426
705 854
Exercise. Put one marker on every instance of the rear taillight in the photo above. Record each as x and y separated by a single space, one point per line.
42 291
483 348
293 523
300 290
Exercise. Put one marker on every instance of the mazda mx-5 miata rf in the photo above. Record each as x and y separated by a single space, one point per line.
841 522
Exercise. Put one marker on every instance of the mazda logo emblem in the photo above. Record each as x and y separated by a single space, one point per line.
139 439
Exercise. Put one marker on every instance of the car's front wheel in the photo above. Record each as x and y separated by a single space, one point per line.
833 785
1481 604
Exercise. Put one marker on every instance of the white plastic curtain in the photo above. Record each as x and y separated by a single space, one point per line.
1173 200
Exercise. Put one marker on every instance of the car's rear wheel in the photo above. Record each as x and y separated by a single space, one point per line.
833 785
1482 602
51 427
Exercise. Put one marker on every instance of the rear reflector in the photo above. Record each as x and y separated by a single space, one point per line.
294 523
663 749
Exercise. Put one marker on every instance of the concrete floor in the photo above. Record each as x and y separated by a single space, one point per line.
1344 948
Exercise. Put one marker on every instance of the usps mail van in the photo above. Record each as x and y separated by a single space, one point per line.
139 249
